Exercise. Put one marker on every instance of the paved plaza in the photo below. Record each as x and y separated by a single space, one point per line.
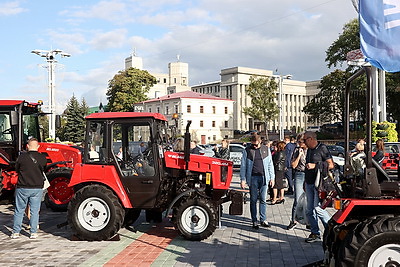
235 243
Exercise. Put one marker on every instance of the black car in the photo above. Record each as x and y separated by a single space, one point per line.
336 150
352 144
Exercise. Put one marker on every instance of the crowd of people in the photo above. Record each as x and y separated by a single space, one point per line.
293 165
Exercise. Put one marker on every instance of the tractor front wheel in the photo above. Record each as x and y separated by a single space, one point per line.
95 213
196 219
374 242
58 194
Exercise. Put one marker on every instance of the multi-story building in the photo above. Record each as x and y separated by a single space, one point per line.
176 80
233 84
211 116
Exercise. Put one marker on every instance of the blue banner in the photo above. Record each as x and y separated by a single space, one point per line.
380 33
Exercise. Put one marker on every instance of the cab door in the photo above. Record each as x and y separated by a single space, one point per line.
136 157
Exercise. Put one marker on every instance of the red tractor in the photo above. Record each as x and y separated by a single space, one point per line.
365 231
128 166
18 122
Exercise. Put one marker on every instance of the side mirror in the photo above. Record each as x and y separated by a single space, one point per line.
14 118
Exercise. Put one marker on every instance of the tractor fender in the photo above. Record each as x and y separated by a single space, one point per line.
187 192
101 174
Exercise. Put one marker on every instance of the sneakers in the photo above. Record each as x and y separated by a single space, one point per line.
265 224
313 238
33 236
14 235
291 225
255 226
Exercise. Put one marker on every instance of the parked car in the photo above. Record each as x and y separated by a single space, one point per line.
336 150
235 154
352 144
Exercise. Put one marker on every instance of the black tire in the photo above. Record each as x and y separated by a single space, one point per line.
95 213
196 219
374 242
131 216
58 195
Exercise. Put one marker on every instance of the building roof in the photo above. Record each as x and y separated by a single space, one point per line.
116 115
185 94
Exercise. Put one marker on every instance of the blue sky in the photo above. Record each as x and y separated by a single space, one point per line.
210 35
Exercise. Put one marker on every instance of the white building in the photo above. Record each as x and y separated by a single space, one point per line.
176 80
211 116
233 84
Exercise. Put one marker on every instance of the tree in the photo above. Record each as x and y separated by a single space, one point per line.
328 104
74 129
347 41
127 88
262 92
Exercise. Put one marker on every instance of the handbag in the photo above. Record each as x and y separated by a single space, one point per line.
46 183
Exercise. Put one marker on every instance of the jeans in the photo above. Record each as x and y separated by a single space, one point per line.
23 197
298 190
257 186
289 177
314 211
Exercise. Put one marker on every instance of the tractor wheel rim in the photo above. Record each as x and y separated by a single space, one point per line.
59 192
94 214
195 219
387 255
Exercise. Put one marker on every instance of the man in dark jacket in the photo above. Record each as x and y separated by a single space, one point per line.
257 171
29 187
317 155
289 148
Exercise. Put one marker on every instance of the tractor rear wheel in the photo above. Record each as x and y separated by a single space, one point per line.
374 242
95 213
196 219
58 194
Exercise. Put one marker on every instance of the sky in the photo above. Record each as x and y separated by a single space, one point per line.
286 36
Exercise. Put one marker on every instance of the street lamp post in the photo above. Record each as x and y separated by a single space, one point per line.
280 103
50 58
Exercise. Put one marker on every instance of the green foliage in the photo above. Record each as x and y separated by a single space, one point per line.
328 104
74 128
127 88
262 91
347 41
384 130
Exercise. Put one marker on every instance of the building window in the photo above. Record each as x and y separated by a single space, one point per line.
214 138
214 109
158 109
165 80
226 110
167 110
201 123
213 123
176 109
226 124
188 109
150 110
201 109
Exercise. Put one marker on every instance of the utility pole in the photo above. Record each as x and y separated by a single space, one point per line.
50 59
281 122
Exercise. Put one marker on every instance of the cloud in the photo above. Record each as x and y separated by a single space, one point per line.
11 8
107 40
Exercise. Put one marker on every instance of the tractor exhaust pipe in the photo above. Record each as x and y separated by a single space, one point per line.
187 144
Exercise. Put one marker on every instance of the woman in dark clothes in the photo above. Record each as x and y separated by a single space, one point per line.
380 154
279 159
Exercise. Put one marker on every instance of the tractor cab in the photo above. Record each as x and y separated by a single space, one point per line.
131 145
18 122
